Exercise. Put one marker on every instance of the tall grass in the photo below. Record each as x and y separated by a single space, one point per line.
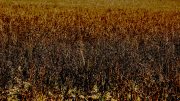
129 54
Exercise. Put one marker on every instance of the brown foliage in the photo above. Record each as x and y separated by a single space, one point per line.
122 51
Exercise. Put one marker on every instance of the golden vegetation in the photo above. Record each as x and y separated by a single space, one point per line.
79 53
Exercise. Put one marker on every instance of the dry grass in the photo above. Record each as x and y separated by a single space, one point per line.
79 53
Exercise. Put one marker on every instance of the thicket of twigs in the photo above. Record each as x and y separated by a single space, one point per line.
55 53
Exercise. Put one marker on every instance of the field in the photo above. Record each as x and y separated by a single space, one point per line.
89 51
